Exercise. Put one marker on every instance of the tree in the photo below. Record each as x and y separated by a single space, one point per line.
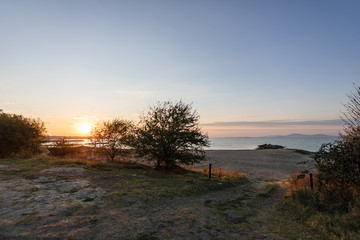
112 137
19 134
169 134
338 163
351 116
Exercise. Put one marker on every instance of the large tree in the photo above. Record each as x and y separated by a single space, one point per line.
19 134
169 134
112 138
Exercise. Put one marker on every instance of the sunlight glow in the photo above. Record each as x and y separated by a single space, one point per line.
85 128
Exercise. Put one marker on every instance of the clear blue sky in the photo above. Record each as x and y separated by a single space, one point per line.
239 62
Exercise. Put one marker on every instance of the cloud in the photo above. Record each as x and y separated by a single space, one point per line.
332 122
134 92
84 117
8 103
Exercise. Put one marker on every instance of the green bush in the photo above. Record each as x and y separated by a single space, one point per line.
62 148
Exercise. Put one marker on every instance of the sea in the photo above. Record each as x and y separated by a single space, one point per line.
310 143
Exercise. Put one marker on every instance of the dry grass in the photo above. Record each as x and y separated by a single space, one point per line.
299 181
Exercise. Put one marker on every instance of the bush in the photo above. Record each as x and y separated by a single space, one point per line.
338 166
62 148
19 134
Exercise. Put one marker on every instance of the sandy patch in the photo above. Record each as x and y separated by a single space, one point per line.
264 165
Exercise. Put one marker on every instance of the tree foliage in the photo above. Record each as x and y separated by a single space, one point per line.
112 138
169 134
338 163
19 134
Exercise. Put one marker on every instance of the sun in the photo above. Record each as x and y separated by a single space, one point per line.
85 128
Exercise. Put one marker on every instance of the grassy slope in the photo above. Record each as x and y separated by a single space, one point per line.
147 204
130 189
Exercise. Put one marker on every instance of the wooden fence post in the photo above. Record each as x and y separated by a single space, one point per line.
209 170
311 181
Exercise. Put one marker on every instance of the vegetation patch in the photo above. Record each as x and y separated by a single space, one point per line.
308 214
29 217
88 199
72 210
153 185
268 191
233 204
301 151
296 220
147 236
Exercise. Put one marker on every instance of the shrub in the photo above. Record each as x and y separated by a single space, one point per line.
338 166
62 148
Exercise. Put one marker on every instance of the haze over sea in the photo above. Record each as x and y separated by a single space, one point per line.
306 142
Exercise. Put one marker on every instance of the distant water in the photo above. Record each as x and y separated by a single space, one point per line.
306 142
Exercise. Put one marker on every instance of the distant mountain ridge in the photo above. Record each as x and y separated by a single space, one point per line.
292 135
296 135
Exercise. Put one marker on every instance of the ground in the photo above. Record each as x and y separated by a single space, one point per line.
71 199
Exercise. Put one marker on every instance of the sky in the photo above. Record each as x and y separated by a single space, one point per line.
249 68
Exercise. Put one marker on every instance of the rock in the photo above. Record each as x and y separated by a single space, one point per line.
269 146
